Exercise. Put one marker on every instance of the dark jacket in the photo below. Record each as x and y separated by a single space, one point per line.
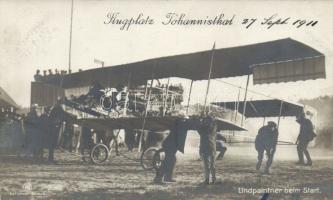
31 124
169 145
266 138
176 138
56 117
32 120
306 132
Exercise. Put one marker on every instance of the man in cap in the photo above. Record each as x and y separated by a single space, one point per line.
306 135
266 140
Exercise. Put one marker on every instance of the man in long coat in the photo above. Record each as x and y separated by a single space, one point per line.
306 135
55 119
207 132
174 141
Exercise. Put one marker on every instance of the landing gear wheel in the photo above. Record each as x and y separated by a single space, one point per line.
147 158
99 154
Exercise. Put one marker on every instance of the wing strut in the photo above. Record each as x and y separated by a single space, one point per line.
245 95
189 97
146 111
209 75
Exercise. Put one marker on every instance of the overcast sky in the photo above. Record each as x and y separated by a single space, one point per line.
35 35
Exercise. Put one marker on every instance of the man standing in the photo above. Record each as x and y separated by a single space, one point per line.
55 120
266 140
44 126
207 132
174 141
306 134
31 124
86 141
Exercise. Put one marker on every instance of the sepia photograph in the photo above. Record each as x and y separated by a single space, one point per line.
158 100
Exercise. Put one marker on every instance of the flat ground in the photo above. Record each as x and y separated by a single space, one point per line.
122 178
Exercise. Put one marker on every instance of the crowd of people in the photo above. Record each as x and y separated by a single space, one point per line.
50 128
51 77
41 132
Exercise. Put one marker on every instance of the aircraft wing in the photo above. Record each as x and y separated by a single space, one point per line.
273 61
264 108
151 123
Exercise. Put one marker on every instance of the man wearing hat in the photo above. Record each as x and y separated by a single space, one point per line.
306 135
266 140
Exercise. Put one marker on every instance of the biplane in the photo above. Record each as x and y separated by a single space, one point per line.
269 62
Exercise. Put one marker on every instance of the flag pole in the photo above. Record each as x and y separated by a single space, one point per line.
70 40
